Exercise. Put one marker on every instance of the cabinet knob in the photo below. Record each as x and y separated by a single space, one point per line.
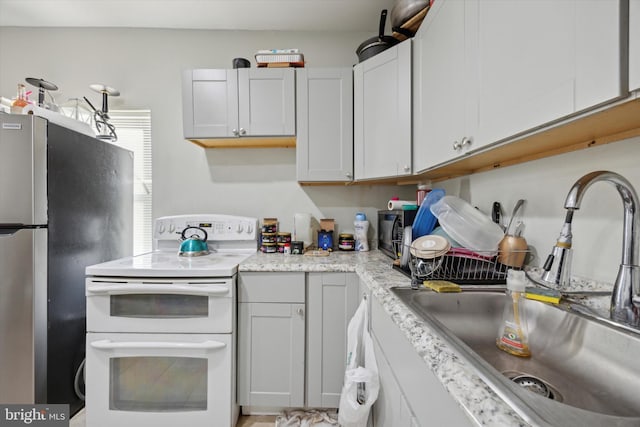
348 175
235 132
406 168
301 312
464 141
243 131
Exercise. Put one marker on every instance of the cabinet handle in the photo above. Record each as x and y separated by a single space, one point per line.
243 131
465 141
301 312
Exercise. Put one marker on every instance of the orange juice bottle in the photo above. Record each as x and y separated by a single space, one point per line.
21 100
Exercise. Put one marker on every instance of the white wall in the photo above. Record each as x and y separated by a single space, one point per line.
544 184
145 65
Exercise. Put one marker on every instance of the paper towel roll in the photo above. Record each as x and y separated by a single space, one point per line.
398 204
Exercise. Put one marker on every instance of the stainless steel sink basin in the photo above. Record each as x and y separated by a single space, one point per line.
582 371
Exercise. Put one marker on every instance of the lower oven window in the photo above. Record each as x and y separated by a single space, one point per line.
159 305
158 384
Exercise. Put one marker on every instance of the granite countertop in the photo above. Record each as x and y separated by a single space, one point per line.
481 404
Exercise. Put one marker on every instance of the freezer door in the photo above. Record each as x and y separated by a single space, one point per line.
23 169
22 315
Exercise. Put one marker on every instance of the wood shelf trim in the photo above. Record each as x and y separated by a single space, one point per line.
612 124
246 142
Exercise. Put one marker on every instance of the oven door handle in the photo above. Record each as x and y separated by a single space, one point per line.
131 288
157 345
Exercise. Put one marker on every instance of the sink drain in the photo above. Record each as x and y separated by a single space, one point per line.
534 385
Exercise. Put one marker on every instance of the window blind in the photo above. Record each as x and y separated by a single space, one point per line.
133 128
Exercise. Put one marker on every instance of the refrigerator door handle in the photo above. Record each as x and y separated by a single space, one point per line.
13 228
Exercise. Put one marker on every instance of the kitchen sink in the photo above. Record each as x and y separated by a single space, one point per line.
583 371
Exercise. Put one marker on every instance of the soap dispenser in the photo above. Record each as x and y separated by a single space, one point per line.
513 335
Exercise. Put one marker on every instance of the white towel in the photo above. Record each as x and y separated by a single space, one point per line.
306 418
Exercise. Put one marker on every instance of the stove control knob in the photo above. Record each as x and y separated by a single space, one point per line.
172 228
161 228
239 228
249 228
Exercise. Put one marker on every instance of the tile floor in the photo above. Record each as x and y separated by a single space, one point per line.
245 421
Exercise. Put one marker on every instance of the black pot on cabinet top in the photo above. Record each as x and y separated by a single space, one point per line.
375 45
241 63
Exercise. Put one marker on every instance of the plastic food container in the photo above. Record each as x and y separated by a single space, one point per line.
431 246
467 225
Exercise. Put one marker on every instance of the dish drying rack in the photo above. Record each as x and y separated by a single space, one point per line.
462 266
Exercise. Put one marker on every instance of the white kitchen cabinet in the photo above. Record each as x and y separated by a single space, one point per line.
486 71
271 339
244 102
282 334
441 86
382 114
391 408
324 112
634 45
332 300
410 394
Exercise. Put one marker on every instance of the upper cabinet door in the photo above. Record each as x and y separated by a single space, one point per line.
634 45
540 61
210 103
489 70
266 101
324 105
442 88
382 114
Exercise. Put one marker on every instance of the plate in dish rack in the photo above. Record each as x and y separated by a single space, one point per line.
425 221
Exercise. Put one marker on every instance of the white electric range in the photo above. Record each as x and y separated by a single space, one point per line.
161 329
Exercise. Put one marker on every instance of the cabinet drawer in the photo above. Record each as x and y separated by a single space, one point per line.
282 287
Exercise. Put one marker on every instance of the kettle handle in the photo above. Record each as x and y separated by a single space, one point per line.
196 228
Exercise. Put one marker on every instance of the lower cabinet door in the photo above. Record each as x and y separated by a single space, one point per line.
391 408
271 345
332 299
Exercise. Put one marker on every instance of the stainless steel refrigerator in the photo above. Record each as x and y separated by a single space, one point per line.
66 202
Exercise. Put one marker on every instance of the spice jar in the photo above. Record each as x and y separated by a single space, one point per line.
268 248
269 238
346 242
283 237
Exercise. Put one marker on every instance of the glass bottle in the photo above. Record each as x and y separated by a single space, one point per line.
21 100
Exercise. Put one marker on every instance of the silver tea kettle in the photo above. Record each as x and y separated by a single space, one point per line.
193 245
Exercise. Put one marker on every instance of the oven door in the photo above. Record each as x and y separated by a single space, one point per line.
160 305
160 380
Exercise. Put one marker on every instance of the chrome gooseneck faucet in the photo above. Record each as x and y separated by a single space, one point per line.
625 299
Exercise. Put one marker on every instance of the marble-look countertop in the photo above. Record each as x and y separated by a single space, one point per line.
481 404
